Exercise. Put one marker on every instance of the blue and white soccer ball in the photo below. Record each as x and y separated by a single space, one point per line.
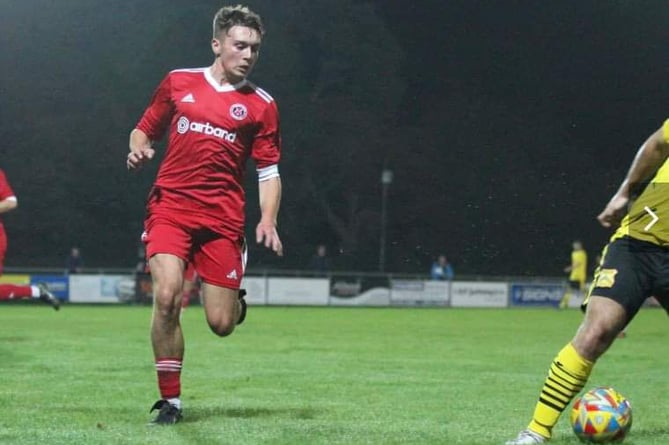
601 415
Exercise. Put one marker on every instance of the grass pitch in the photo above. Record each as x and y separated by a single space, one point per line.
85 375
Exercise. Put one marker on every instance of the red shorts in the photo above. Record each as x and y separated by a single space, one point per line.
189 274
216 259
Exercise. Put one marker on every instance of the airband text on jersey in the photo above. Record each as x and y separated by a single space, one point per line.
184 125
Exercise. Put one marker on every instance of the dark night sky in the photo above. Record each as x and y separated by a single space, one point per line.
587 74
527 115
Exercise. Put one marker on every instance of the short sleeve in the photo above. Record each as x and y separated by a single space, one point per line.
266 147
158 114
665 131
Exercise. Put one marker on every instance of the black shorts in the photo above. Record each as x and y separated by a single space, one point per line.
631 271
575 284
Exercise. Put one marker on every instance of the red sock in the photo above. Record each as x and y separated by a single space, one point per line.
13 291
169 376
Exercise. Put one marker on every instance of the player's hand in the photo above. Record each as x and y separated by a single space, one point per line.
138 157
266 234
614 211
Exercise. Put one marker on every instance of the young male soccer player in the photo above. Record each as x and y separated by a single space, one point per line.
216 119
8 202
634 266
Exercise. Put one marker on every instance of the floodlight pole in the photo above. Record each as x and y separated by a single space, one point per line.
386 180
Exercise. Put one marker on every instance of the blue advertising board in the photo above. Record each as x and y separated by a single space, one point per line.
58 284
531 294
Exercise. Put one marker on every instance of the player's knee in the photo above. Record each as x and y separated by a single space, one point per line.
594 339
166 303
223 326
596 334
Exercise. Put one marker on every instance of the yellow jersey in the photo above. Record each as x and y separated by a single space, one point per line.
579 265
647 218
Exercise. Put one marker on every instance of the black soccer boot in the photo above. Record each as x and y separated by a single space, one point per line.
168 414
242 314
46 296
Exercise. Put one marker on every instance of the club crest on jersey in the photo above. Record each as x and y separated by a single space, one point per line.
238 111
606 278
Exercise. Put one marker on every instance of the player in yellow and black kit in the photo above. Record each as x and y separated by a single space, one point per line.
634 266
578 272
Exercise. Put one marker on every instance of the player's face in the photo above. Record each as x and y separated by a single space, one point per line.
237 52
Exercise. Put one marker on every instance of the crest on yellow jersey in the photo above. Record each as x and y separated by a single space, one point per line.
606 278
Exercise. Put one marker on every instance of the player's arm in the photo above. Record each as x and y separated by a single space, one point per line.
140 149
266 151
574 266
650 156
8 204
151 126
269 191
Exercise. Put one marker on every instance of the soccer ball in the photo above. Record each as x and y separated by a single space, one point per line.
601 415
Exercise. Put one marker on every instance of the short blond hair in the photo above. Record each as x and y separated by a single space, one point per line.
239 15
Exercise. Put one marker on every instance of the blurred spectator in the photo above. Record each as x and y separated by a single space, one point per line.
578 272
442 269
320 262
141 266
143 282
74 262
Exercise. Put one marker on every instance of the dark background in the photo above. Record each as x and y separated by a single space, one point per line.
507 124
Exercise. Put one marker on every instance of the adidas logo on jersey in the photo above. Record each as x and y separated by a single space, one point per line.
188 98
232 275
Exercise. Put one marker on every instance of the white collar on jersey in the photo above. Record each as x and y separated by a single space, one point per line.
222 88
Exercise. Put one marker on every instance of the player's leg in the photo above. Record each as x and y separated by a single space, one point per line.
613 302
222 308
571 368
25 291
564 302
166 246
220 262
166 273
15 291
166 334
661 291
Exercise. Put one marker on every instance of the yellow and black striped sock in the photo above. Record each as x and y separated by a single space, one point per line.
566 377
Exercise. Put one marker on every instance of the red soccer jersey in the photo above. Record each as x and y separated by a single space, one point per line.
213 129
5 190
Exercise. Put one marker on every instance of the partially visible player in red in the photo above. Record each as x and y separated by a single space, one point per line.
190 288
215 120
8 202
